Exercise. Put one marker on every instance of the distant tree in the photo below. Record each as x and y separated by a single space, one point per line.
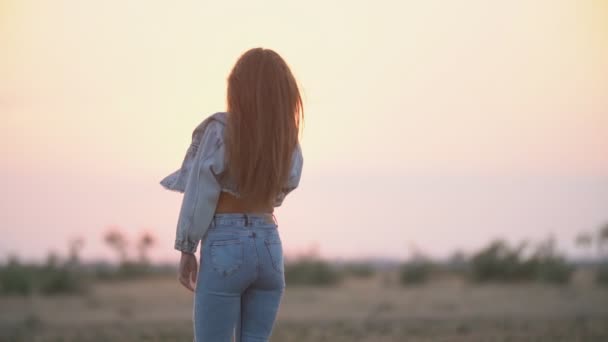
546 248
52 260
458 261
416 271
584 241
74 247
457 257
602 240
117 241
146 241
501 262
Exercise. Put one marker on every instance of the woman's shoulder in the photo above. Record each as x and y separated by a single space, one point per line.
210 130
221 117
216 121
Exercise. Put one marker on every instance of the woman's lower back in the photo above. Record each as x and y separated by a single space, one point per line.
229 203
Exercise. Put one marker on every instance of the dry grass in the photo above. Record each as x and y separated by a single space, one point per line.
375 309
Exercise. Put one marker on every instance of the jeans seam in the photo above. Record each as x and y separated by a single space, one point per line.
272 259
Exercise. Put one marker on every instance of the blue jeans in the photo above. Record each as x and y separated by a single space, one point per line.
241 279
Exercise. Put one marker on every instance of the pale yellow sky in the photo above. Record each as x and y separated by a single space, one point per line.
411 107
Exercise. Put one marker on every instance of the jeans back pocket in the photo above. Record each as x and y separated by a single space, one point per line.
226 255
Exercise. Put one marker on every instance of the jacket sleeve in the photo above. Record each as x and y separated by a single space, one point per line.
201 191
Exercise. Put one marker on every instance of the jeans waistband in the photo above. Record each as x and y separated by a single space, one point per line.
244 220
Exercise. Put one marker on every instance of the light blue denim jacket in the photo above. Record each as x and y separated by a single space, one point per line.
202 178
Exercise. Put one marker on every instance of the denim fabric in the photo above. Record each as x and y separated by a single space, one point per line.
241 279
202 177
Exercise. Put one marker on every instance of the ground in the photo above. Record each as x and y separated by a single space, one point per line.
375 309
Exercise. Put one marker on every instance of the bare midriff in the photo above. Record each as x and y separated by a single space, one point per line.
229 203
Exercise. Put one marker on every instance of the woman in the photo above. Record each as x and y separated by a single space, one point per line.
240 166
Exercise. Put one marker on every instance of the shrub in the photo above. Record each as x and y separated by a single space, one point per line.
601 276
415 272
310 271
499 262
50 279
61 280
15 279
131 270
359 270
554 270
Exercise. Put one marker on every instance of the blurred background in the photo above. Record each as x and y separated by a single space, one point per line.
455 184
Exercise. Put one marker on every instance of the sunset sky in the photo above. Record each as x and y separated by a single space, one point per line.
437 124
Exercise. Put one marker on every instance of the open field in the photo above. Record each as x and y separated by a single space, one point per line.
374 309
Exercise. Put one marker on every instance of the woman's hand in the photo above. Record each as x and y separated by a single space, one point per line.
188 268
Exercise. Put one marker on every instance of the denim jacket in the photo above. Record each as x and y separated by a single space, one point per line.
202 177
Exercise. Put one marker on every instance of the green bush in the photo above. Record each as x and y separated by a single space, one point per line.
61 280
359 270
601 276
50 279
128 270
499 262
15 279
502 263
309 271
554 270
132 270
415 272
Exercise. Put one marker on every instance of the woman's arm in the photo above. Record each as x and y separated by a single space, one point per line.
202 190
201 194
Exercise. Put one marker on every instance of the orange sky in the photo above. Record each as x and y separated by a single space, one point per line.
466 120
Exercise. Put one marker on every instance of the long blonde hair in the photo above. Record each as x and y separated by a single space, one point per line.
265 111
